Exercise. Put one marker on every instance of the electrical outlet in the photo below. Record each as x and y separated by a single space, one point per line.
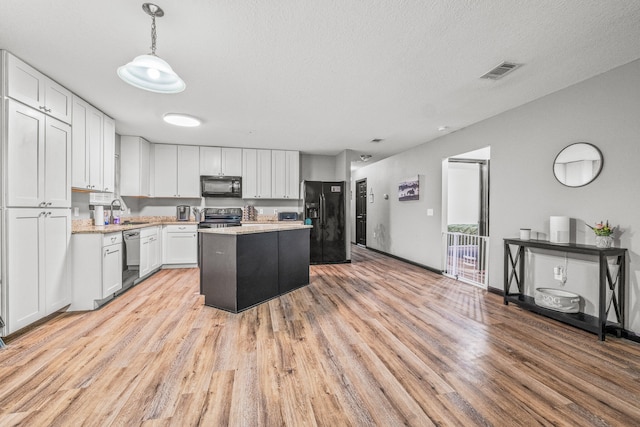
260 211
275 211
558 273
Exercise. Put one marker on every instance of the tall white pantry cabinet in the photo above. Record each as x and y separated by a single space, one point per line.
35 214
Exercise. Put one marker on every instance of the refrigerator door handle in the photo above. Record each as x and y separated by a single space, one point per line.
322 213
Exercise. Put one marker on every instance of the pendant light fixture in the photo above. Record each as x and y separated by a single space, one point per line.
150 72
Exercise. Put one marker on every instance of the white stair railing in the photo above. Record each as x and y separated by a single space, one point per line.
466 258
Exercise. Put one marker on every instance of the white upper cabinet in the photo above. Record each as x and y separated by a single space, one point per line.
256 174
165 170
80 145
176 170
220 161
285 178
231 161
109 154
211 161
57 164
188 176
135 166
31 87
93 165
38 159
95 120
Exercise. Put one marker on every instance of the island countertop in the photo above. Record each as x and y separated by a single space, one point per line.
254 228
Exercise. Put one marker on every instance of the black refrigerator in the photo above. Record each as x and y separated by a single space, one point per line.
324 206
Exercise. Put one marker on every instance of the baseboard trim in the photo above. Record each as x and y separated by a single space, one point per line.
496 291
630 335
417 264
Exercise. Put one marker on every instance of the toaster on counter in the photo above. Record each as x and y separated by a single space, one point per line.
287 216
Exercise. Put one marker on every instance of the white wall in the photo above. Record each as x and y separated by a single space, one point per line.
317 168
524 141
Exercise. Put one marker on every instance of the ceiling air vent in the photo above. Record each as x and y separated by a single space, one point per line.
501 71
376 141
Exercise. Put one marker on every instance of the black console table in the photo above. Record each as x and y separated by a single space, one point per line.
514 271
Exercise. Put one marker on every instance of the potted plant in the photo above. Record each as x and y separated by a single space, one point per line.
604 234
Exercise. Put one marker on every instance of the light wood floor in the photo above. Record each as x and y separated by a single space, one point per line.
376 342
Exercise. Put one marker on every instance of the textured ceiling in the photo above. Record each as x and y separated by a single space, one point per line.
321 76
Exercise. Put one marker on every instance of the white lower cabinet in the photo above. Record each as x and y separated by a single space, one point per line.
180 244
150 250
97 268
112 265
37 279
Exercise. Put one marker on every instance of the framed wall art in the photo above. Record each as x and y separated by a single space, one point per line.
409 189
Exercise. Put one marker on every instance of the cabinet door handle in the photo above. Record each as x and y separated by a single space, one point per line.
42 204
48 110
42 107
48 204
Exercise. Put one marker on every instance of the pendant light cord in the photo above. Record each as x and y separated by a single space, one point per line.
153 34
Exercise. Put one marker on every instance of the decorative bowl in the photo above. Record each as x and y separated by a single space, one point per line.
558 300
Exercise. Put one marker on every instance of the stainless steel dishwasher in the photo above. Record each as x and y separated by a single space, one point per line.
131 258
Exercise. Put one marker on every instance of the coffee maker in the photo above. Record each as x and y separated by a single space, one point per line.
183 212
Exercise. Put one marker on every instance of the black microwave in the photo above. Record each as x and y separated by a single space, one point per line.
221 186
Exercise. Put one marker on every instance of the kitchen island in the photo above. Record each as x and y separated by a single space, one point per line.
241 267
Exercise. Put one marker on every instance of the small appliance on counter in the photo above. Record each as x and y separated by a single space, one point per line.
183 212
287 216
98 215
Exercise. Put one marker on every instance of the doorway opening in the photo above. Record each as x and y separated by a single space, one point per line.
466 227
361 212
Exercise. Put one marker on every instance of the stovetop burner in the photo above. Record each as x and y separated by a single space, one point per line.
220 217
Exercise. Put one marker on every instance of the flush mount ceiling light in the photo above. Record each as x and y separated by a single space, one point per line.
184 120
150 72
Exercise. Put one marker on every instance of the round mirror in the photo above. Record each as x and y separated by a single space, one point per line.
578 164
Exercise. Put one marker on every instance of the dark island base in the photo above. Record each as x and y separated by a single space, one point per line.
238 272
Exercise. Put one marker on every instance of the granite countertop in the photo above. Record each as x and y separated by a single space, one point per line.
254 228
83 226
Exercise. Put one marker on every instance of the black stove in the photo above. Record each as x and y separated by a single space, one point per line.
220 217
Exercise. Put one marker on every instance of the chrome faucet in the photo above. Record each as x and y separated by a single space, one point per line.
119 204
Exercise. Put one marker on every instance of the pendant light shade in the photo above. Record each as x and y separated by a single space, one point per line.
150 72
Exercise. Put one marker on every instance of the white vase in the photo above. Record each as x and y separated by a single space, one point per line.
604 242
